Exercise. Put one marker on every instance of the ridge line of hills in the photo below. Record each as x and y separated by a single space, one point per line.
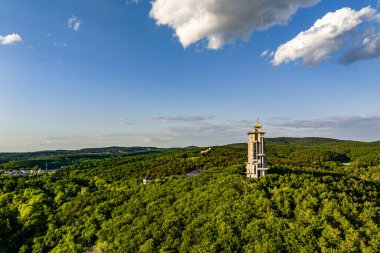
55 159
304 141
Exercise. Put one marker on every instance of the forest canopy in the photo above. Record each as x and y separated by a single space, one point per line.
321 195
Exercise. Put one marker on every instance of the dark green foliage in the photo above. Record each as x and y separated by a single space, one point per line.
310 202
308 141
59 158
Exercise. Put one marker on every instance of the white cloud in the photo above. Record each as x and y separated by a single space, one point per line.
74 23
368 48
183 118
222 22
326 36
355 127
10 39
265 53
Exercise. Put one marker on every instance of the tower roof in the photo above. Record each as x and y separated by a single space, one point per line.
256 128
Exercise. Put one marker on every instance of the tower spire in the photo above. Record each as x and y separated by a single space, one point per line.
257 125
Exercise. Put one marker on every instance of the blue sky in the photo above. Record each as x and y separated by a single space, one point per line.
89 73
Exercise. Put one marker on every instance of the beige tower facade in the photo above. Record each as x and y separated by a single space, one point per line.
257 160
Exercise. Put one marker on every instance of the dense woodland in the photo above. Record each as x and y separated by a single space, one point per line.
310 201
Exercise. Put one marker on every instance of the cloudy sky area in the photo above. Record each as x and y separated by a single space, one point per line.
89 73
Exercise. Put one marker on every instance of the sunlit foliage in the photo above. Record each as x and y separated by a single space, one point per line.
309 202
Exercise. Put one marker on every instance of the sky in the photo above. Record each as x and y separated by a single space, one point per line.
169 73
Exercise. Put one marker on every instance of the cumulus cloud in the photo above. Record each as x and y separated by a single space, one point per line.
74 23
328 35
369 48
183 118
222 22
10 39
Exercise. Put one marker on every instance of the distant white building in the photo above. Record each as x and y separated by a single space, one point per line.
257 160
206 151
25 172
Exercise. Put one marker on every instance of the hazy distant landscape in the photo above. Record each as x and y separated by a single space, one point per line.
321 194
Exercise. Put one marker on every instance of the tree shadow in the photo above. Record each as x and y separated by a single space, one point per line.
282 170
337 176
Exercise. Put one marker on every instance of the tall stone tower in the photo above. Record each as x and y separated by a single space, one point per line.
257 160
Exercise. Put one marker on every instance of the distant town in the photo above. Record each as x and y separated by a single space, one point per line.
25 172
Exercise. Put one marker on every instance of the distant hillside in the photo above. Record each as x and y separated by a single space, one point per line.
65 157
308 141
94 153
114 150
